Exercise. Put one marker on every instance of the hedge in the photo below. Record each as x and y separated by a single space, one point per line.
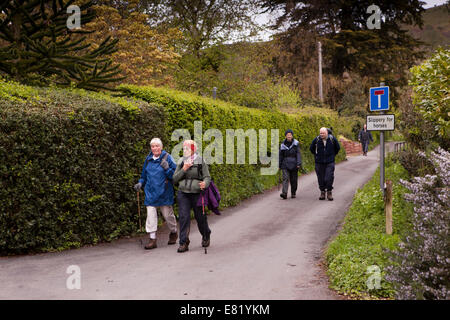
69 160
237 182
71 157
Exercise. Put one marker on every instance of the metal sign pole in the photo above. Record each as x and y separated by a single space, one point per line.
382 154
320 72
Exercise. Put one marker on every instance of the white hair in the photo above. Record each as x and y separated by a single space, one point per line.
156 140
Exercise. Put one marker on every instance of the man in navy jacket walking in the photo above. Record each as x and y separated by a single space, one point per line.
324 148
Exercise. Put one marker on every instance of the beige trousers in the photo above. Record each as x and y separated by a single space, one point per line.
151 224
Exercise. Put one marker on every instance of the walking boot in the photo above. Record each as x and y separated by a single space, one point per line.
293 195
284 196
205 241
184 247
322 195
173 238
151 244
329 196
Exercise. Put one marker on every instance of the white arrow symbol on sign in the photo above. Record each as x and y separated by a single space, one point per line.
379 93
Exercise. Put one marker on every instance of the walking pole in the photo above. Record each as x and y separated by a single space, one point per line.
139 212
139 215
203 209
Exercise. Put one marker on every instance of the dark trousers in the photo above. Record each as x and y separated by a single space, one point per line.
186 202
290 176
325 175
365 146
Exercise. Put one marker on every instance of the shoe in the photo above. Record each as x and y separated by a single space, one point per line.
205 243
283 195
173 238
322 195
183 248
329 196
293 195
151 244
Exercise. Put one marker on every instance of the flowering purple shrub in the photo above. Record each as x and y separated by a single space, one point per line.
420 268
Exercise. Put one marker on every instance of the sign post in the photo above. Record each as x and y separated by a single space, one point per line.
379 101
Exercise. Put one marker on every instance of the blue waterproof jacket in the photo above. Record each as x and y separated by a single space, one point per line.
157 182
322 153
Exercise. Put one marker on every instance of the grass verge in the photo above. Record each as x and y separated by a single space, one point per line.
357 254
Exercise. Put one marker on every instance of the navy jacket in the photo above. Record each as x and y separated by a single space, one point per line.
324 154
365 136
157 182
290 157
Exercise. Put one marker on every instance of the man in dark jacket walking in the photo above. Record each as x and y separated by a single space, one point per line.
364 137
290 160
324 148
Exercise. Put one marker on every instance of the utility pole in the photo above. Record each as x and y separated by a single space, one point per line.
320 72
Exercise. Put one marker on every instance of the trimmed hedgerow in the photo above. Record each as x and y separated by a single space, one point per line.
237 182
69 159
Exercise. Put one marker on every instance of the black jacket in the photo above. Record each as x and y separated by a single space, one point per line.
365 136
290 157
324 154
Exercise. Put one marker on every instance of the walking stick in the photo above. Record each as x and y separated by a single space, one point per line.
279 181
203 209
139 212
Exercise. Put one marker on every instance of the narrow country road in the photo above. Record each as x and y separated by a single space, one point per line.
264 248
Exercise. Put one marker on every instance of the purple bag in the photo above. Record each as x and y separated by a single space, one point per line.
211 198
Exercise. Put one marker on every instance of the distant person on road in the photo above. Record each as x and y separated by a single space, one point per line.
325 147
290 160
156 178
192 176
364 137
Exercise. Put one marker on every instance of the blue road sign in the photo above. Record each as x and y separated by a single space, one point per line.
379 99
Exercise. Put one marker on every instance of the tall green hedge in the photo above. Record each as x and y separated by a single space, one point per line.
237 182
69 160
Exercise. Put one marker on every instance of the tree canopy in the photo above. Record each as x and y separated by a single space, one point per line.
145 54
38 46
349 44
203 22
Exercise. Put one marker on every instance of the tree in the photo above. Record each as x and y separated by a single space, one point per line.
430 82
349 44
145 54
203 22
38 46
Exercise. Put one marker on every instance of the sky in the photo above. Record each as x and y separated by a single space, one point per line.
432 3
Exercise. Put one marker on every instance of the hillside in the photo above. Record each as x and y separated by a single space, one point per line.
436 27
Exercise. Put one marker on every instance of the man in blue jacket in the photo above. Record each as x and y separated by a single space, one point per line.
324 148
156 178
290 160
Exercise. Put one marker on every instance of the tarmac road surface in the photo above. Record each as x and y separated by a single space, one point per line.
264 248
